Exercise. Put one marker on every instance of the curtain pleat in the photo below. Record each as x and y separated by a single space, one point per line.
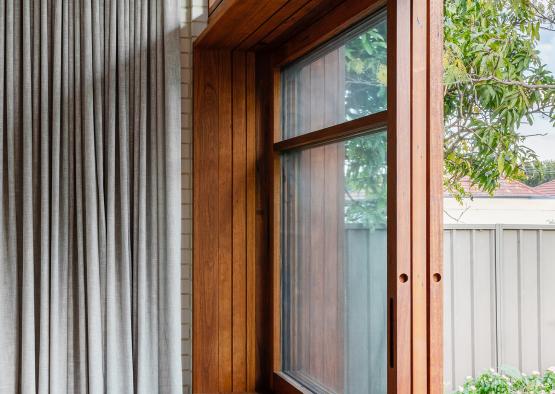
89 196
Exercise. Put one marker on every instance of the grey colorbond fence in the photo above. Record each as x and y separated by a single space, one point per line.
499 302
366 314
499 299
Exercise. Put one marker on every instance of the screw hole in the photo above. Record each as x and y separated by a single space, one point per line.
403 278
436 277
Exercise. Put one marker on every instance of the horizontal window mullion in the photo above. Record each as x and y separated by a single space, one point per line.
365 125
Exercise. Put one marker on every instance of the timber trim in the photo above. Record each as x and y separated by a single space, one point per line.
236 264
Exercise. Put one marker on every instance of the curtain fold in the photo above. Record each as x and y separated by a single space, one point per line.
90 196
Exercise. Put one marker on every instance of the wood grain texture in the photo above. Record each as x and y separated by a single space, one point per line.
251 212
278 19
239 213
415 210
419 282
205 216
399 196
236 304
270 22
374 122
305 16
435 196
290 25
233 21
345 15
224 223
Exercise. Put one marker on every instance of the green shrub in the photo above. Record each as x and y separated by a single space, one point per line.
510 382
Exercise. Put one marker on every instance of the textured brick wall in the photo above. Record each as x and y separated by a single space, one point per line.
194 14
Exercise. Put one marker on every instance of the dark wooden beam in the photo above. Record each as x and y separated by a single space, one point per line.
366 124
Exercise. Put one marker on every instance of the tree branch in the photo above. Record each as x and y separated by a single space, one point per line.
535 135
513 83
542 15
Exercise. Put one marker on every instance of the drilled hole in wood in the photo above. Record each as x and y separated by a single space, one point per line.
436 277
403 278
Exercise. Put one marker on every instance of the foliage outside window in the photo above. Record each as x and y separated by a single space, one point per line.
366 93
509 382
494 82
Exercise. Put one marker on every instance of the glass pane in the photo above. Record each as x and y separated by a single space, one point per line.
334 250
344 80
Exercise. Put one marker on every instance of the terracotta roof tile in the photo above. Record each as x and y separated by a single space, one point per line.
547 188
506 189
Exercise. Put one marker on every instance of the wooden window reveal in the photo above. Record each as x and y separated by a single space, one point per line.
246 170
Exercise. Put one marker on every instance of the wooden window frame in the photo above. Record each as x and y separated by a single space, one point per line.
236 90
414 306
376 122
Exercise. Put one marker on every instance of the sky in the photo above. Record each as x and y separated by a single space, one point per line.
544 146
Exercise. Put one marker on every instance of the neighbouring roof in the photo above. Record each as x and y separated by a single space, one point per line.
547 188
506 189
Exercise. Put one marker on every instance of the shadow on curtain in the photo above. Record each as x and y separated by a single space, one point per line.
90 196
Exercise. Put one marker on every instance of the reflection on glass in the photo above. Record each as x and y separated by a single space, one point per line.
344 80
335 266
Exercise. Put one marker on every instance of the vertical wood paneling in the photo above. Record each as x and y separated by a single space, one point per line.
419 175
239 214
407 213
224 348
251 222
435 196
205 254
399 195
225 218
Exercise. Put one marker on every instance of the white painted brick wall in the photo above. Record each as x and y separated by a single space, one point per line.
194 15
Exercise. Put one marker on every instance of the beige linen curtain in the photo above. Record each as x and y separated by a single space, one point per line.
89 196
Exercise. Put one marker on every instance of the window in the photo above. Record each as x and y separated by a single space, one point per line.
343 80
334 214
317 174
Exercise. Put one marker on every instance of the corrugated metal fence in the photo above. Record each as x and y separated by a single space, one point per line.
366 298
499 302
499 299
